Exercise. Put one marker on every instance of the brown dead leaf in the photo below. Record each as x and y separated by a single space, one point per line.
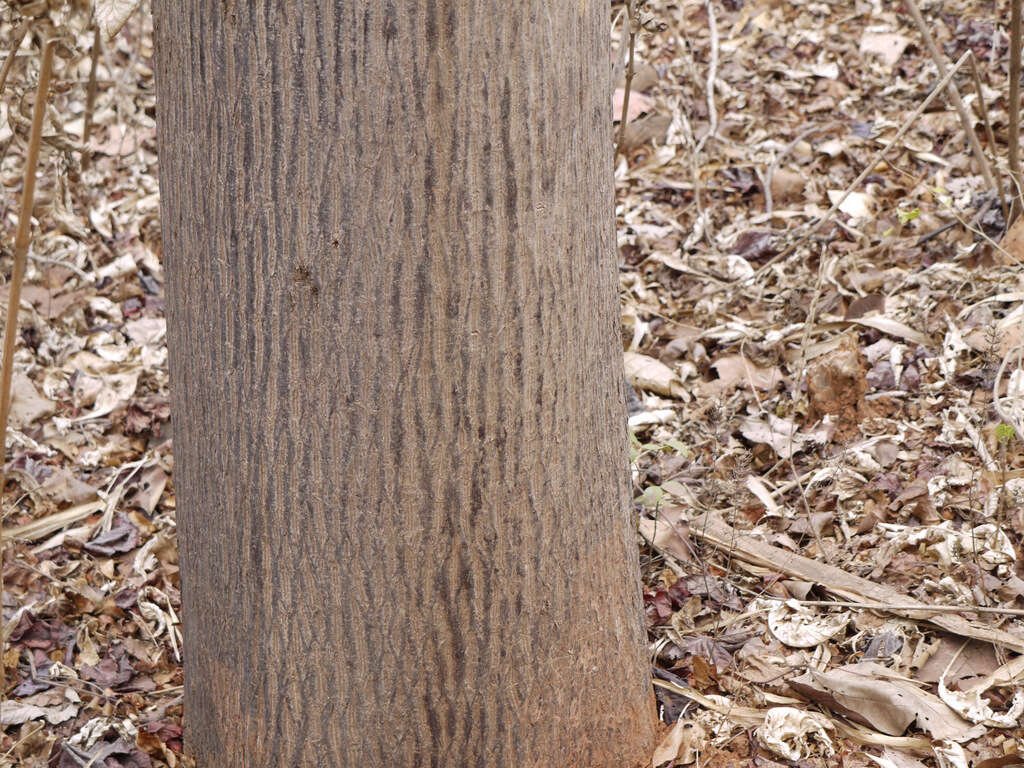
680 744
871 694
638 104
887 46
27 405
788 186
652 128
647 373
735 371
1013 240
111 15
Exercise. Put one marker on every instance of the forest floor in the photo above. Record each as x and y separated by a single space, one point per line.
830 399
837 422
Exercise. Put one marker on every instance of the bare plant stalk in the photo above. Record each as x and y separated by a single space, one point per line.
90 98
709 90
989 135
633 30
954 94
19 35
1014 109
1003 502
21 243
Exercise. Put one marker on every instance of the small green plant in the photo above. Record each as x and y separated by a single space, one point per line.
651 497
906 217
1004 433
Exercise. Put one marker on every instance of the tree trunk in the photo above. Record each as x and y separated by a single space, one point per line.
398 416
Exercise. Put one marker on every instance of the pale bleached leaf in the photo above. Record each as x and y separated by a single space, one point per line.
111 15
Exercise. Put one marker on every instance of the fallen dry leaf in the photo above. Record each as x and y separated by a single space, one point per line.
645 372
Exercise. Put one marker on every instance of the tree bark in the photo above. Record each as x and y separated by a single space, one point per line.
397 388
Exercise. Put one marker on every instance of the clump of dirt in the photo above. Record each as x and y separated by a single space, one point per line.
836 385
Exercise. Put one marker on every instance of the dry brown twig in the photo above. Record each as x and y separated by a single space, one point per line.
21 244
954 95
712 75
989 135
19 35
896 608
635 21
90 98
633 29
1014 109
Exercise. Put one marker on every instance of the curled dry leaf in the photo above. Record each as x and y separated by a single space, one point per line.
800 626
795 734
680 744
647 373
985 544
949 754
782 435
973 707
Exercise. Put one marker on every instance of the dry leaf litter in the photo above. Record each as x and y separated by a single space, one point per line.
91 607
826 440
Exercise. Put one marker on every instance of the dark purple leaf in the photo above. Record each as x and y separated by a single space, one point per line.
123 537
755 244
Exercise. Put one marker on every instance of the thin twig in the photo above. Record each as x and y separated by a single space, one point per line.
712 76
989 135
816 227
21 243
969 225
67 265
90 98
809 321
917 608
19 35
954 95
975 221
632 26
1014 109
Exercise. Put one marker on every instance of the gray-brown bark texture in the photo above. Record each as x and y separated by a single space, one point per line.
399 441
